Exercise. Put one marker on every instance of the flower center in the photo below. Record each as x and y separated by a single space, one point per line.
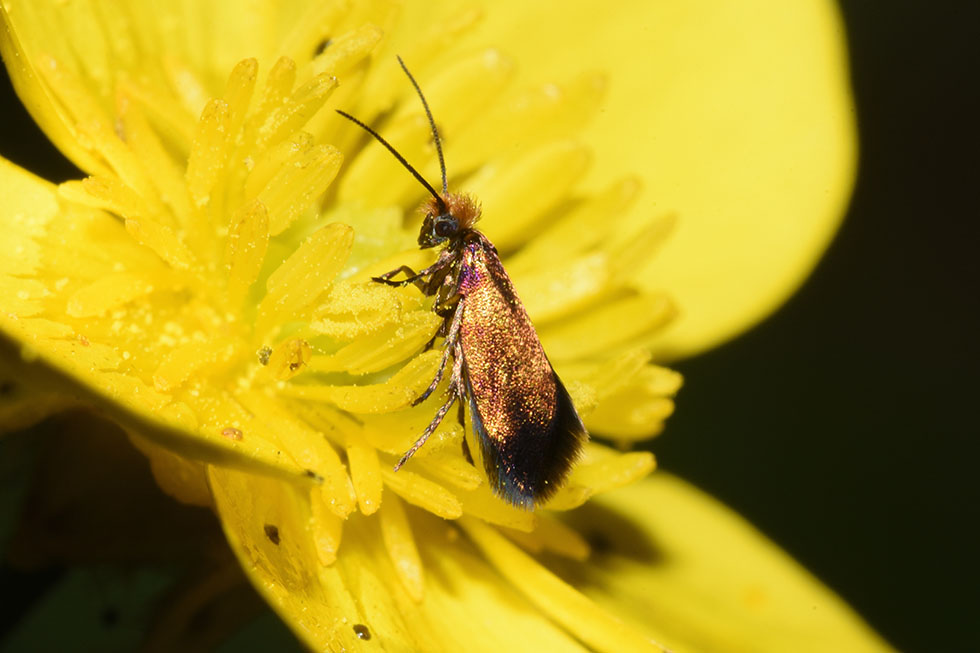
233 292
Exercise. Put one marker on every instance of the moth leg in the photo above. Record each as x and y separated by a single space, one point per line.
461 416
451 339
466 452
430 429
447 307
412 277
388 275
444 309
435 382
448 291
418 278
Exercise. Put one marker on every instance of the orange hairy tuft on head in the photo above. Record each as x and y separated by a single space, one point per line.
464 208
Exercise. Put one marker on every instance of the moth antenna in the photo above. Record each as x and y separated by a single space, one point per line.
401 159
432 124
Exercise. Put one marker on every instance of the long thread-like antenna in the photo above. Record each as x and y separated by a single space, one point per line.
401 159
432 124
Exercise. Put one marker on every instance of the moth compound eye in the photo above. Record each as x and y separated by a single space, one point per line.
446 226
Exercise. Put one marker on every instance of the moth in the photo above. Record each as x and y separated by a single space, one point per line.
527 427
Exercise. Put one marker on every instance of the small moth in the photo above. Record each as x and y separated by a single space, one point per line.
524 420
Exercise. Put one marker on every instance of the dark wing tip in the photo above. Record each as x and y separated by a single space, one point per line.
566 438
532 470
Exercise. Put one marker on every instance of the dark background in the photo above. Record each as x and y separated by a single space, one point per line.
844 426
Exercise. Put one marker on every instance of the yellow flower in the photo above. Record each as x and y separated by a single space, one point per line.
207 287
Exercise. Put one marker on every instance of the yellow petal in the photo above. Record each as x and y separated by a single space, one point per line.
22 401
596 627
670 558
466 605
736 116
28 81
55 348
728 136
183 479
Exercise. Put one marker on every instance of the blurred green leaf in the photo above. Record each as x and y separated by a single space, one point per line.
91 609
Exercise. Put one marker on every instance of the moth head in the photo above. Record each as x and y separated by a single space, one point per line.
437 229
447 218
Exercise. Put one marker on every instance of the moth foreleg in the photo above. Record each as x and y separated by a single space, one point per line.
420 279
413 277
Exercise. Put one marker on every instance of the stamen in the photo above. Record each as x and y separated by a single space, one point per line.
438 33
518 195
613 374
464 89
304 275
632 250
171 120
351 310
168 177
371 176
191 92
105 294
74 99
482 504
107 193
534 117
584 334
288 117
553 536
319 21
183 361
365 473
637 410
327 527
209 151
604 470
601 470
161 240
578 230
347 50
248 239
397 535
127 167
311 449
422 492
557 537
567 606
453 470
267 163
382 349
395 393
238 94
561 288
302 178
278 85
289 358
